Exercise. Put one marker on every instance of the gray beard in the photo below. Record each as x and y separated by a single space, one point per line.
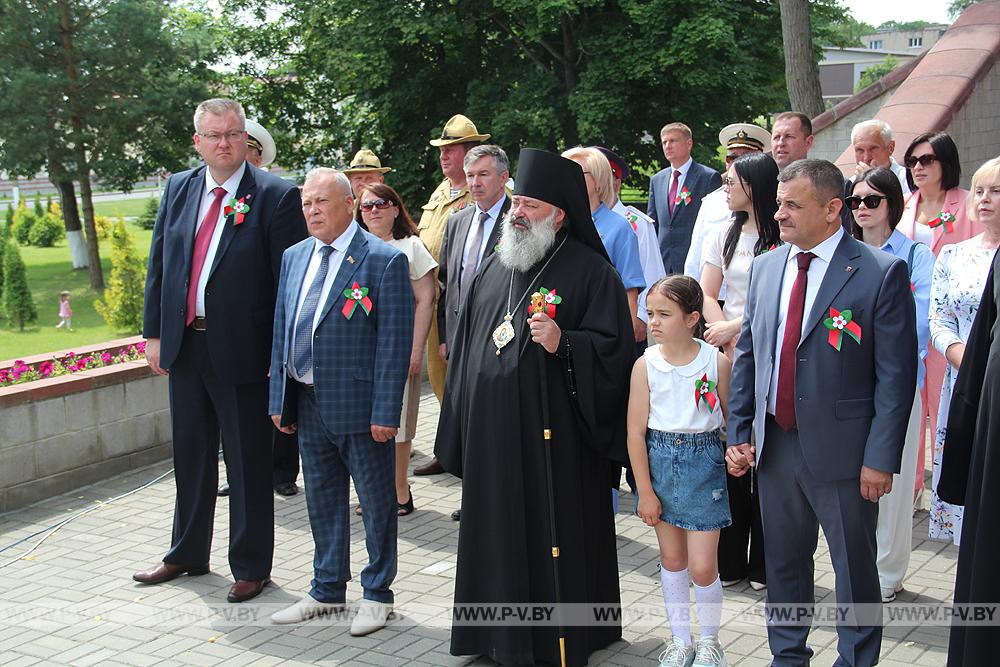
522 249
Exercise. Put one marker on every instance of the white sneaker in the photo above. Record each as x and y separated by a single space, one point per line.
757 586
306 608
889 594
371 616
708 653
726 583
677 654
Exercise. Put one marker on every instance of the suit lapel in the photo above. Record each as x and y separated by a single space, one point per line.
189 216
464 224
952 202
690 182
770 292
246 191
494 239
348 266
843 266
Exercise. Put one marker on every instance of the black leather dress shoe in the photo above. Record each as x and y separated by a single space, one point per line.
286 488
432 468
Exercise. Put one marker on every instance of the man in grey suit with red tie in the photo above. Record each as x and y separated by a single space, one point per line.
210 289
675 195
823 378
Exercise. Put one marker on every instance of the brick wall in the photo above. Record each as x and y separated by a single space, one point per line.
976 126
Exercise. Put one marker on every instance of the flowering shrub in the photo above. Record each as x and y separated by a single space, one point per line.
21 372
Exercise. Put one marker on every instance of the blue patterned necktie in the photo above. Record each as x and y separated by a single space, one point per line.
302 346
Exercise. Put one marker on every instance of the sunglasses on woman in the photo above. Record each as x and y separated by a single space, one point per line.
924 160
871 201
380 204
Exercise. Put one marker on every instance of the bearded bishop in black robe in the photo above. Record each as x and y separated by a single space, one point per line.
491 428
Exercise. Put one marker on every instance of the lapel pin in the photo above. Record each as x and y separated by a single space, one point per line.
848 268
350 259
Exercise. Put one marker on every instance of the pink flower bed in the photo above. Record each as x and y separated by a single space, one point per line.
21 372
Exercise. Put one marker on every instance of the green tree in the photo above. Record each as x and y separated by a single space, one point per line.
956 7
39 209
23 222
123 299
46 231
147 219
876 72
18 304
545 74
100 88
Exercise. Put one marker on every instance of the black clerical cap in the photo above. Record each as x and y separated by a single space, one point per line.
559 182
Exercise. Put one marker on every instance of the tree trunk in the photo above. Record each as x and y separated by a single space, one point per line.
83 166
801 70
70 214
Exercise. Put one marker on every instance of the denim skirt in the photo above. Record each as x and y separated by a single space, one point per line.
688 473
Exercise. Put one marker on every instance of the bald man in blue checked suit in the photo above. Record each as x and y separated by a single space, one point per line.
343 330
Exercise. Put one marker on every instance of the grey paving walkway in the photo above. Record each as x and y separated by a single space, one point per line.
71 601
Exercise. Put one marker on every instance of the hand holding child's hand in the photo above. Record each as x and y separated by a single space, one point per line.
649 508
740 458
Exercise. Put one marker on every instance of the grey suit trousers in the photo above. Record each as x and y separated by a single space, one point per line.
794 504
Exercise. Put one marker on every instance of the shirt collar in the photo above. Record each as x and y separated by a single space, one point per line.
684 167
230 185
494 211
342 242
894 242
824 250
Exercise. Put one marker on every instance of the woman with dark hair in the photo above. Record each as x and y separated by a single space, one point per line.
386 217
876 201
751 186
934 215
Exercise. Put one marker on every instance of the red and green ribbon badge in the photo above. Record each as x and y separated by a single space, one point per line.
356 295
704 392
945 218
238 208
767 250
683 196
839 323
551 301
633 220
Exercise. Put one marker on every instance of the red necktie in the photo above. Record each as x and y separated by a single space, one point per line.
672 196
201 242
784 407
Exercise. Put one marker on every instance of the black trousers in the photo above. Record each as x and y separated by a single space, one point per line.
203 409
285 456
745 530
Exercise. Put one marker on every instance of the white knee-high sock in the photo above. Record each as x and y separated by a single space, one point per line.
677 600
709 602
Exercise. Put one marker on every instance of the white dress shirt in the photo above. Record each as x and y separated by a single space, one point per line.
340 246
817 270
491 221
230 186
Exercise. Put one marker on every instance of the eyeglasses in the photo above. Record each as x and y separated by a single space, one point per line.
380 204
871 201
214 137
729 182
924 160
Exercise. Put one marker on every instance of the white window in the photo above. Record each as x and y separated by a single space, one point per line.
875 44
916 41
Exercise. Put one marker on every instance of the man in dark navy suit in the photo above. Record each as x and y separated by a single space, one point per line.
210 290
675 195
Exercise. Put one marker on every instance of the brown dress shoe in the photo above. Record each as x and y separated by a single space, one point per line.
166 571
244 590
432 468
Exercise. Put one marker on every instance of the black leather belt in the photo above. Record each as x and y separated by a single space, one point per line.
308 388
198 324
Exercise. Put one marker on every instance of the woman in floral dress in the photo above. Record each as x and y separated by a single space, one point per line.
959 278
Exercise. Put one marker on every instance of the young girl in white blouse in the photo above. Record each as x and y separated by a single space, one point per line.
677 408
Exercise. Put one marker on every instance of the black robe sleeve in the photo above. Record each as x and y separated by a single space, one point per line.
597 362
964 408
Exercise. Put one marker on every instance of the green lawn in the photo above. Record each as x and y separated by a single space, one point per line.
129 208
50 272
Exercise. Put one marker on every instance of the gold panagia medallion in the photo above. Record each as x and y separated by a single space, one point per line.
503 334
